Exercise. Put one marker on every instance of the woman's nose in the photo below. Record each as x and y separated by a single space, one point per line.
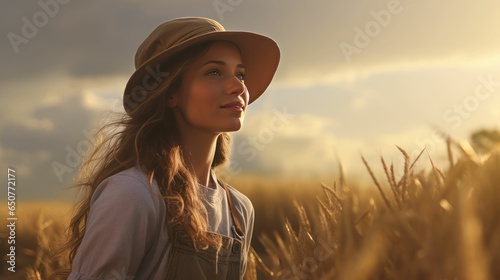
236 86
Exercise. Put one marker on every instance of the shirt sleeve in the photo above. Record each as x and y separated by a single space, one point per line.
120 227
246 212
250 226
249 235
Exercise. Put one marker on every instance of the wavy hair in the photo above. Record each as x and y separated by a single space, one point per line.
147 137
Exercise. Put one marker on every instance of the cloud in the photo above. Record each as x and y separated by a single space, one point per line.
82 41
32 149
309 145
406 75
359 103
297 144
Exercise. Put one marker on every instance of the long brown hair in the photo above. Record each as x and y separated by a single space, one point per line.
146 137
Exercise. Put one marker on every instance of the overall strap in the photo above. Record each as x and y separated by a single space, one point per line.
239 230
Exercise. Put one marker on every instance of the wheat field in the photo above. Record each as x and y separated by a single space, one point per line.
434 223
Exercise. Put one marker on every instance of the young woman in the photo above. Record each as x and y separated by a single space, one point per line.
153 207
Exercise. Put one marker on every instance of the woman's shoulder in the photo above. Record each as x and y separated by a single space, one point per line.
243 205
131 185
245 210
132 174
239 198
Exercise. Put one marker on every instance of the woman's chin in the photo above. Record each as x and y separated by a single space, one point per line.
231 127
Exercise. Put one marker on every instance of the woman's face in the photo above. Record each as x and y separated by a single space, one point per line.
213 96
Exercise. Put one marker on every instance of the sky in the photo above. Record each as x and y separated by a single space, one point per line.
355 78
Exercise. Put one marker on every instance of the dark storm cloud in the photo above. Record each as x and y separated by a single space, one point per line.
23 146
82 39
67 120
91 40
95 38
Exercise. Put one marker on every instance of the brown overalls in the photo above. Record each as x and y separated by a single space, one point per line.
188 264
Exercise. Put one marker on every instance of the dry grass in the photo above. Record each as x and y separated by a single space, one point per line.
39 226
425 224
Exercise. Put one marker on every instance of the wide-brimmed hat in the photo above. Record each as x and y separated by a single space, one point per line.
259 54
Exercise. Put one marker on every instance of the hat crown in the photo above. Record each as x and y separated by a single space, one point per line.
260 54
172 33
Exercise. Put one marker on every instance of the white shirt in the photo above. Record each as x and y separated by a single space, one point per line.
126 236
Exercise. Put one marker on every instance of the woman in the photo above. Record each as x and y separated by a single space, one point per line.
153 207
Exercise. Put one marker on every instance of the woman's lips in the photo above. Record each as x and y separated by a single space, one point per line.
236 106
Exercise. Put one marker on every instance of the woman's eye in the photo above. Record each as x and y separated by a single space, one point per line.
213 73
241 76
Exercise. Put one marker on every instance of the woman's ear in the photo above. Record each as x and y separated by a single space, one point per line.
172 99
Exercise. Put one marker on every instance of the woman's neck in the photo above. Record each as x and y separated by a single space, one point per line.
198 151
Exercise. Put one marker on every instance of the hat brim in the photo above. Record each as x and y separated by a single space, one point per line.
259 54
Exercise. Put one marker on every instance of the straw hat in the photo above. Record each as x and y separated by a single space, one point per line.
259 54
